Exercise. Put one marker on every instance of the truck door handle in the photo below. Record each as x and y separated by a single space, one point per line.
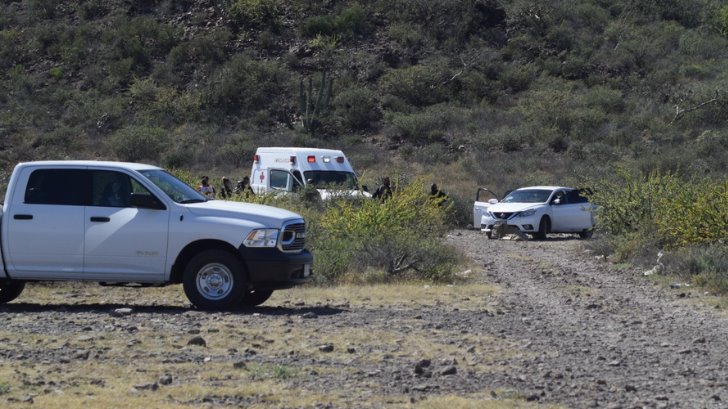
100 219
23 217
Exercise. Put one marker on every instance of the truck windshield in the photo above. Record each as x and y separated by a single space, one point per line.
330 178
176 189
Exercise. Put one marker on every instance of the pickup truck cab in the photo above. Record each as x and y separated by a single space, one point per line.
121 223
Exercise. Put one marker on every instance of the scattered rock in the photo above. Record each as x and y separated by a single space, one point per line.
197 341
166 379
121 312
240 365
326 348
309 315
147 387
450 370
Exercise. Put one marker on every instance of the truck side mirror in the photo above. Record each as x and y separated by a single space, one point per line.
144 201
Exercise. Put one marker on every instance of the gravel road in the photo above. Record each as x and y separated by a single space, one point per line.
600 336
560 328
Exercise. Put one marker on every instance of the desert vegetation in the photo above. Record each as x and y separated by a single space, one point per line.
477 92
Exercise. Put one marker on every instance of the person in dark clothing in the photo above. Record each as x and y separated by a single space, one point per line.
384 191
438 195
243 187
226 191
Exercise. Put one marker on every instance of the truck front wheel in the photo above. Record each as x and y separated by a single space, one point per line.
10 290
214 279
255 297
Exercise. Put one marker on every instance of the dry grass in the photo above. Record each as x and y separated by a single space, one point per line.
49 328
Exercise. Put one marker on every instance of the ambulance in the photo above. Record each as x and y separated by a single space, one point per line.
290 169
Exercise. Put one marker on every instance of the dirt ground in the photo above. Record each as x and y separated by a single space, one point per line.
537 324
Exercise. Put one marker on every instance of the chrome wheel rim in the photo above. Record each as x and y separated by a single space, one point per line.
214 281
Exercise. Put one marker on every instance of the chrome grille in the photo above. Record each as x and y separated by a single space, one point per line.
502 215
293 237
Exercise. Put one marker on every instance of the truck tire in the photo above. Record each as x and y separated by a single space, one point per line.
214 279
544 227
10 290
255 298
586 234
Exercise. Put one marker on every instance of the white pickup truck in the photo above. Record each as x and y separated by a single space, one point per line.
122 223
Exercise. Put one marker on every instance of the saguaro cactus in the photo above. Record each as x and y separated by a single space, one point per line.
313 108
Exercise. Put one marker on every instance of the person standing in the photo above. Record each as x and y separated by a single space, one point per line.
384 191
226 192
243 187
206 189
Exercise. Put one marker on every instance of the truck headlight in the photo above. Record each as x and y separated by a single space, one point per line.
526 213
262 238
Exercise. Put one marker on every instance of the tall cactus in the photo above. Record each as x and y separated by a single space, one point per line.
313 108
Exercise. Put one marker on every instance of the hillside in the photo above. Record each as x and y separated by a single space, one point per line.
474 92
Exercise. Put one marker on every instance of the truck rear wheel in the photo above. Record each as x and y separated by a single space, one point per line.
214 279
255 297
10 290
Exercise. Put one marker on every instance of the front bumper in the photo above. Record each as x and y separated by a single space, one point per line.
528 224
269 268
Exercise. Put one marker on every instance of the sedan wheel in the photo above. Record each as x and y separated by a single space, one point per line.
544 227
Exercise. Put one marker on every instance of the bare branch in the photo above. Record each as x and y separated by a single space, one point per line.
679 113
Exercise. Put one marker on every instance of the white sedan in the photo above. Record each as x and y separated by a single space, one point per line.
539 210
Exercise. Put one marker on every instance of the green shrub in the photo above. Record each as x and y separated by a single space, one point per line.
92 9
357 108
675 212
196 55
401 236
42 9
140 39
9 50
419 85
349 22
323 25
426 126
248 14
722 21
138 143
706 266
245 84
693 213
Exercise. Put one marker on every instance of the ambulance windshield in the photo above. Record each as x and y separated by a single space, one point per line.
331 179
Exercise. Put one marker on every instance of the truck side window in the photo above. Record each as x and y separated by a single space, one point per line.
110 189
279 179
113 189
57 187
